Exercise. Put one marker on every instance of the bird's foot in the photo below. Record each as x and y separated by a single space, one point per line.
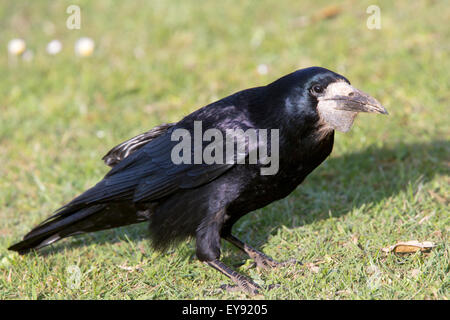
242 284
261 260
247 285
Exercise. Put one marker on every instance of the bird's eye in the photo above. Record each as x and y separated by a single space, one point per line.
316 89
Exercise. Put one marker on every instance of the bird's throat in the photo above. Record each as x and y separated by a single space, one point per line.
333 118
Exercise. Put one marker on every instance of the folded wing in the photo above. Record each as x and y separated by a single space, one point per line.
123 150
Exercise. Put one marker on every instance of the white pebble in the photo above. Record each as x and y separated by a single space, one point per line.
54 47
16 47
263 69
84 47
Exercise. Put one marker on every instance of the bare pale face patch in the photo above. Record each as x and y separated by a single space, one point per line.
329 110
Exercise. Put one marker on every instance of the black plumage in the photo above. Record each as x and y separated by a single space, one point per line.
205 200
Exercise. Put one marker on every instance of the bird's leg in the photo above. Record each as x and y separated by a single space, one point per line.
208 251
261 260
242 282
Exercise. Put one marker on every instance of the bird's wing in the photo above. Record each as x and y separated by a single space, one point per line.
150 174
123 150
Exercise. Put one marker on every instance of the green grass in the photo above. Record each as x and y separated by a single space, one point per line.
386 181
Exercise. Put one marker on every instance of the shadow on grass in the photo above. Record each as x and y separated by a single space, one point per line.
365 178
340 184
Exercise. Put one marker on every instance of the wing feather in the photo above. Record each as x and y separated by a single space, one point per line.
143 170
123 150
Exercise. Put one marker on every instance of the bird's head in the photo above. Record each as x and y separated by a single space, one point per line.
326 96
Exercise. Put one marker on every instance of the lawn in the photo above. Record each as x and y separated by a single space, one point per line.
386 181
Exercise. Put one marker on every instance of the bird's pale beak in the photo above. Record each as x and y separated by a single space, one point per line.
357 101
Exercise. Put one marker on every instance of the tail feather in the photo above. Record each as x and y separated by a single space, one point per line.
52 229
70 221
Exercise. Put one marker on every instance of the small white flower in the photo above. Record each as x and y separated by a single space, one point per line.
54 47
263 69
84 47
16 47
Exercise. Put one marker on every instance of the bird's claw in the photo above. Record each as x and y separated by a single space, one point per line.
250 287
242 284
289 263
264 262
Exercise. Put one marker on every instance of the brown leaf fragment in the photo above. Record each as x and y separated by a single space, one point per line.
410 247
328 12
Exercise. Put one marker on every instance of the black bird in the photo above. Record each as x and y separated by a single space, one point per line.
204 200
